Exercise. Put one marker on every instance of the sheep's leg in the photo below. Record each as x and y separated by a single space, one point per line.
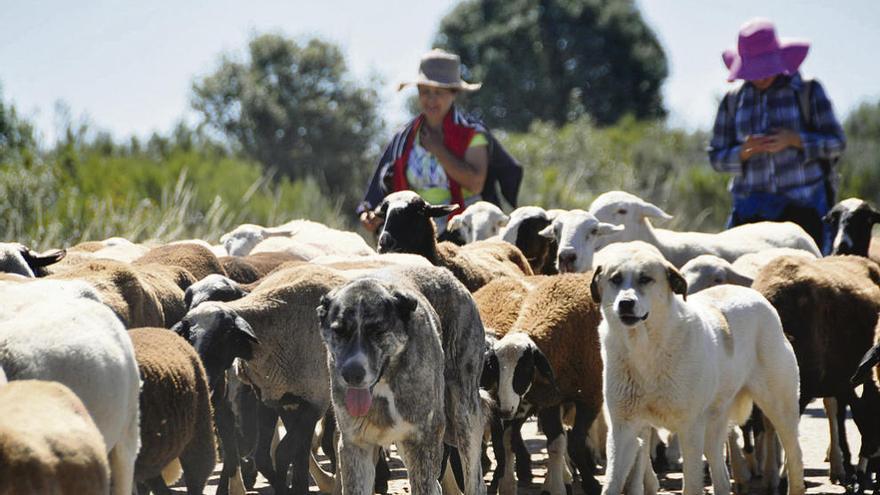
713 448
577 449
523 458
496 429
328 444
778 406
842 402
507 484
300 418
621 448
551 420
247 409
122 458
230 475
835 454
267 419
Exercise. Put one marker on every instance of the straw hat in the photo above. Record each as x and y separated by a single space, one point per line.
441 69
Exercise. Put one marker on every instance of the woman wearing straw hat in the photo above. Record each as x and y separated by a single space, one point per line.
444 154
776 133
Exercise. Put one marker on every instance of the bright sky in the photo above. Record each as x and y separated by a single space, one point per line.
128 66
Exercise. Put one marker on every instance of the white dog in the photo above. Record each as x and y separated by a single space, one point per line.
689 366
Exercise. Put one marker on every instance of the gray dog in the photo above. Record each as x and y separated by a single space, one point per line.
405 354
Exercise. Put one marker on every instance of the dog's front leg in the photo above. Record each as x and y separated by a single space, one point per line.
422 460
621 448
692 438
357 465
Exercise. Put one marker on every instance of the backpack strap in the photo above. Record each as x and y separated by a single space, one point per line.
804 96
730 100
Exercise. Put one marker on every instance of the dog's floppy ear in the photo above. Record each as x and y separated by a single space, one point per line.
543 366
677 282
404 303
595 293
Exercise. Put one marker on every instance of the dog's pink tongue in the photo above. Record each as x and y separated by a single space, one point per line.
358 401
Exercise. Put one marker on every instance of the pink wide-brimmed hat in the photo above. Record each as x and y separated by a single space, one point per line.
760 54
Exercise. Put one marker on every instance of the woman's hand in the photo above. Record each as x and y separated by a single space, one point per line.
780 139
432 140
370 221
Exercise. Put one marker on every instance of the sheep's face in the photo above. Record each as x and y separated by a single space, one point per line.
242 240
632 280
577 233
408 226
218 335
214 287
706 271
364 326
479 221
523 231
519 363
852 221
627 210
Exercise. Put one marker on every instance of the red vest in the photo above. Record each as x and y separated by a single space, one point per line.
456 138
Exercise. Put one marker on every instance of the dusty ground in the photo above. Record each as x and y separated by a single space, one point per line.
813 436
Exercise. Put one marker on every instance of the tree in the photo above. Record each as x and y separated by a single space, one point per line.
556 60
294 108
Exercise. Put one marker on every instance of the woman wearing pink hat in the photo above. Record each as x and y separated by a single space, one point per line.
777 133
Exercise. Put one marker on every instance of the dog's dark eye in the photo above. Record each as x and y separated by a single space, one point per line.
594 231
644 280
617 279
621 212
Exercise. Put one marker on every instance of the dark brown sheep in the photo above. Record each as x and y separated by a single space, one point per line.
250 268
195 258
176 418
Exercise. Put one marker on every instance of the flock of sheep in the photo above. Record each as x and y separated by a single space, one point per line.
601 325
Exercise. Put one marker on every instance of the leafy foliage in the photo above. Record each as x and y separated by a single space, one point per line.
556 60
293 108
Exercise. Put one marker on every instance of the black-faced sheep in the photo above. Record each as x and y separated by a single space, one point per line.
851 221
828 309
48 442
409 228
177 427
551 356
523 231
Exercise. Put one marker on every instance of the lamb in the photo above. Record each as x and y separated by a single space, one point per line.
550 357
19 259
851 221
197 260
48 442
408 228
523 232
53 335
478 222
828 309
679 247
177 428
310 239
708 270
577 233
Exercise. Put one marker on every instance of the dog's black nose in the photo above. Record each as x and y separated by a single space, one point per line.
353 374
626 306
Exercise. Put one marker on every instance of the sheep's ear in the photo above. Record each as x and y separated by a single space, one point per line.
653 211
608 228
38 260
543 366
832 217
595 293
455 223
503 221
677 282
440 210
181 328
244 328
863 372
548 232
405 304
737 278
490 375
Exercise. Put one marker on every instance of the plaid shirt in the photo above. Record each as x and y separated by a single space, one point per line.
790 171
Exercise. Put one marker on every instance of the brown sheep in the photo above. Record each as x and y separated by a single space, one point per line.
555 334
195 258
176 417
250 268
48 442
500 301
828 309
409 228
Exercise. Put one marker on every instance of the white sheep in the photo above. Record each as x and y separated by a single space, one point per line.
708 270
311 238
82 344
634 214
577 234
478 221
